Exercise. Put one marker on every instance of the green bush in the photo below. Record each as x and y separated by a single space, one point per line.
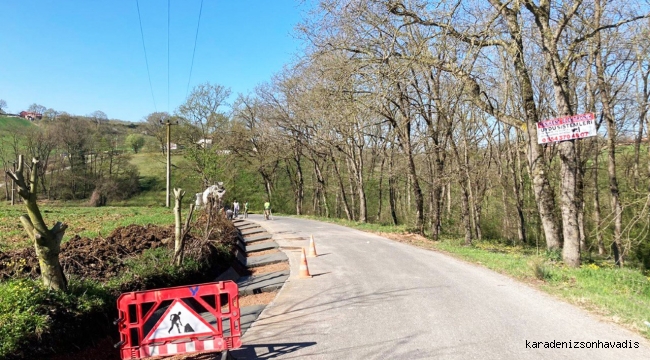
28 310
19 313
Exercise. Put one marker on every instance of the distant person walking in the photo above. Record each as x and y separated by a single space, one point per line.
267 210
246 210
235 208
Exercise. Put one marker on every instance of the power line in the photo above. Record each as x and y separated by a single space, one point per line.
194 51
146 60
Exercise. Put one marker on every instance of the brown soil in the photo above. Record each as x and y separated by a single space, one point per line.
98 259
414 239
257 299
269 268
260 253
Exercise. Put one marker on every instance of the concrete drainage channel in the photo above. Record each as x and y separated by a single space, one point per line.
253 239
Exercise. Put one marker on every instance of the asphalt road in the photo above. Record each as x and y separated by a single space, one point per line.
373 298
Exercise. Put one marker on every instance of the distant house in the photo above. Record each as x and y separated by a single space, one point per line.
31 116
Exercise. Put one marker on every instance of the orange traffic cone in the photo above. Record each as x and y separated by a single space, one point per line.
312 247
304 269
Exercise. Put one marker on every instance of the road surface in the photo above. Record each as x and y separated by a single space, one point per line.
373 298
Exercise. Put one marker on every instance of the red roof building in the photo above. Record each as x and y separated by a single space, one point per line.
29 115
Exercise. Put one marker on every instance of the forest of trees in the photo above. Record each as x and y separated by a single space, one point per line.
76 158
424 113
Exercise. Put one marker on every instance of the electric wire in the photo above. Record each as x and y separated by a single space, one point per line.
187 91
146 60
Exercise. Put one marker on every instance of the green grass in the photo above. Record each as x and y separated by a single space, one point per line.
83 221
10 123
153 173
620 295
153 164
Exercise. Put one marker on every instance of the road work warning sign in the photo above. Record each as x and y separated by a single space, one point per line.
179 320
566 128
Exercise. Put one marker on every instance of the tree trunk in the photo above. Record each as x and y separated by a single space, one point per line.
344 199
322 187
537 164
465 210
357 167
268 185
381 188
603 90
569 208
300 182
47 242
178 238
514 167
597 217
392 197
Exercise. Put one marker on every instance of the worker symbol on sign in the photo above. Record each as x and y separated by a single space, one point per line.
176 321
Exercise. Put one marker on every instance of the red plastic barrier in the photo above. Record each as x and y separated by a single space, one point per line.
178 320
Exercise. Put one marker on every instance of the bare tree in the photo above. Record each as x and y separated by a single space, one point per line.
37 108
154 127
98 117
47 242
202 120
50 114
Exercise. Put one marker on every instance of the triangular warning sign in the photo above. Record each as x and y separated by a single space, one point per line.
179 321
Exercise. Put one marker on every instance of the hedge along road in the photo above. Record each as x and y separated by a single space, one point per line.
373 298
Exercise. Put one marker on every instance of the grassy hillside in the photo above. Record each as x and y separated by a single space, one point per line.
8 126
153 168
8 123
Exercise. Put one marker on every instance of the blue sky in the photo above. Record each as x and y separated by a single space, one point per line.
81 56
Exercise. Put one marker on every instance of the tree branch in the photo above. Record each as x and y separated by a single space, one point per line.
473 39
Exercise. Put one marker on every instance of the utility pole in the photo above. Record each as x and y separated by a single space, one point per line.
168 123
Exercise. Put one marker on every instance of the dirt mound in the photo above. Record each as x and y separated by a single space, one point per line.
102 258
21 262
98 259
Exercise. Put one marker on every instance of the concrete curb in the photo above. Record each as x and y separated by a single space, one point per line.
252 239
262 246
254 284
268 282
250 231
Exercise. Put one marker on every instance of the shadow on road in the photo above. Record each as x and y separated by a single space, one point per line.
268 351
